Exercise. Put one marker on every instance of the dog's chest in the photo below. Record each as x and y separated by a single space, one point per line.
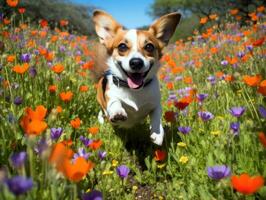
138 104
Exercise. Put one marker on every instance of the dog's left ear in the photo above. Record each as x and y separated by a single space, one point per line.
164 27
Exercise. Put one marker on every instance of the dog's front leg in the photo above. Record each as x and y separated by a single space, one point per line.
115 111
157 132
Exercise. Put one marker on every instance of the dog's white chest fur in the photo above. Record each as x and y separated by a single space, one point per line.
136 103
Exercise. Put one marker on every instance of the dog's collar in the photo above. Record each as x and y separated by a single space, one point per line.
119 82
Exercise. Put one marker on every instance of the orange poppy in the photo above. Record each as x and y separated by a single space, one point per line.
12 3
170 85
214 50
52 88
188 80
63 22
160 155
78 169
66 96
33 120
93 130
260 8
96 144
49 56
229 78
177 70
11 58
58 68
21 69
59 109
83 88
75 123
213 16
234 11
262 88
203 20
262 138
88 65
252 81
170 116
246 184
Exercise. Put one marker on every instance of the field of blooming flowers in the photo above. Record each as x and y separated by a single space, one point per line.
214 99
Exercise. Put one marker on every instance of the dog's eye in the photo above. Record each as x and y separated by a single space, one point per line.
122 47
149 47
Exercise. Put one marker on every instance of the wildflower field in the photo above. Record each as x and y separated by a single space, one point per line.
214 109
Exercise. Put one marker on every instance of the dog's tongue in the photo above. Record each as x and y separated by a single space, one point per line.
135 80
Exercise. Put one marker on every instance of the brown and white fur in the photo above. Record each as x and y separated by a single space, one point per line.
132 56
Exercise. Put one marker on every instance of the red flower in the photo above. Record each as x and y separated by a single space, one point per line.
170 116
259 42
160 155
21 10
96 144
43 23
246 184
262 138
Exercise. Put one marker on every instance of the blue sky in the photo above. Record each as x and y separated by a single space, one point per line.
130 13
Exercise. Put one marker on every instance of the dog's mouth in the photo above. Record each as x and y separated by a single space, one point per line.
135 80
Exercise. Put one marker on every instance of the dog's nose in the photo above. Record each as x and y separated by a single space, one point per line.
136 64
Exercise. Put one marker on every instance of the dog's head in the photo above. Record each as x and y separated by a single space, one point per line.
134 54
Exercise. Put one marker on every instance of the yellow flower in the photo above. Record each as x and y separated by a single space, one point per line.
107 172
134 188
160 166
181 144
216 133
114 163
88 190
183 159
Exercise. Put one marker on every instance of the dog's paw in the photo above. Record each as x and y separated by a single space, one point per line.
118 115
157 138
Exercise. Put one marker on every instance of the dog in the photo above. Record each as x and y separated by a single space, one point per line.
126 66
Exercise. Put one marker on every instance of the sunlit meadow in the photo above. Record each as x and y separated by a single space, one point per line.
213 93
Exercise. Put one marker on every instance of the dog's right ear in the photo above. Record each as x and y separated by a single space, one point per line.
105 25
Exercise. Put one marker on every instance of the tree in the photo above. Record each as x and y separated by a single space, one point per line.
204 7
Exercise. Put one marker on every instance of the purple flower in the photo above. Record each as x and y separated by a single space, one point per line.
184 129
25 57
201 97
205 115
19 184
81 153
93 195
18 101
250 47
218 172
122 171
85 141
102 154
262 111
212 80
240 54
224 62
32 71
18 159
41 146
237 111
234 126
56 133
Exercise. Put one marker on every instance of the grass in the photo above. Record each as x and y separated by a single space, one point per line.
185 65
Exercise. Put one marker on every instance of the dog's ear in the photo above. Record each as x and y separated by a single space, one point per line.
164 27
105 25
